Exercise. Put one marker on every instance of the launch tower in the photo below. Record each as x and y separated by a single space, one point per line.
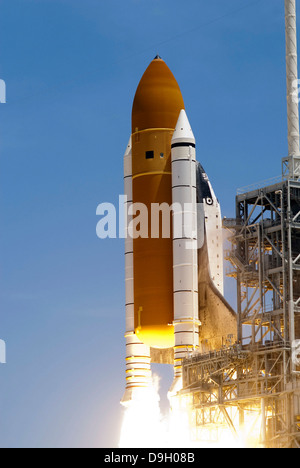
257 378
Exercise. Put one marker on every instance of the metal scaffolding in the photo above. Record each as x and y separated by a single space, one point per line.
244 392
255 384
265 260
260 375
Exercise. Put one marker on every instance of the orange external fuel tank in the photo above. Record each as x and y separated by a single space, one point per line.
157 105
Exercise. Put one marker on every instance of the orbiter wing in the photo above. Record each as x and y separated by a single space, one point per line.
218 319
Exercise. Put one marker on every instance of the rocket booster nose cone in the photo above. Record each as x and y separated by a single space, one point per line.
158 99
183 130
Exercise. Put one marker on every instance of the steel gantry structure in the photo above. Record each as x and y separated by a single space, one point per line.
252 388
266 263
255 383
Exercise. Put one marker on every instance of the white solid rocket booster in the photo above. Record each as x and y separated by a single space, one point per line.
185 261
138 367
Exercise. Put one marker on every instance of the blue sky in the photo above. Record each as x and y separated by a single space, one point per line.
71 69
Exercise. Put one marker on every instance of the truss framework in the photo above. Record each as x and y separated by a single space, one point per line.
260 374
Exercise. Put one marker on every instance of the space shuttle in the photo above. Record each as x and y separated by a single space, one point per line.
174 284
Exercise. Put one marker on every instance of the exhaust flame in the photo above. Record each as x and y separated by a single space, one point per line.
144 426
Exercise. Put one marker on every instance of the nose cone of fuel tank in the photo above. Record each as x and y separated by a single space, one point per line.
158 99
